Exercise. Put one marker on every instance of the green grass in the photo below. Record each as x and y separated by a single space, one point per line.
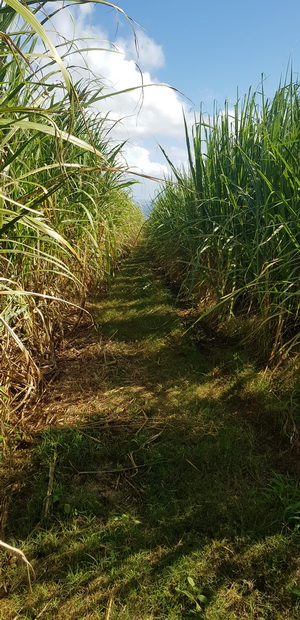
189 504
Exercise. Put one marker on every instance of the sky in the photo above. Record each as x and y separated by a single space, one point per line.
210 52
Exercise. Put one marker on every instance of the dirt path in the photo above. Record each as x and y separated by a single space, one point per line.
167 498
135 361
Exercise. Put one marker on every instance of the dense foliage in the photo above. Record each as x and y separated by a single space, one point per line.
229 231
66 216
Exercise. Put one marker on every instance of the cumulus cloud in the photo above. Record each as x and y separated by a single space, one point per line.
152 110
141 159
144 50
86 9
138 159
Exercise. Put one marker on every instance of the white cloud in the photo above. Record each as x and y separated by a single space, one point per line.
148 54
178 155
138 159
151 111
86 9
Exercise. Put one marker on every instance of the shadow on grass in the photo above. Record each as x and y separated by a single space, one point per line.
170 481
139 507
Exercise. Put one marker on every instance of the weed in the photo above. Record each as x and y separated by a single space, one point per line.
195 596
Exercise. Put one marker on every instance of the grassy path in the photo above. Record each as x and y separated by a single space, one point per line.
157 490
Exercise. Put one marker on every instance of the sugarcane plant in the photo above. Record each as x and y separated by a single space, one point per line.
65 212
228 233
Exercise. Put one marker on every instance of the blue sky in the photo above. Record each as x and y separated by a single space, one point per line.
206 50
212 48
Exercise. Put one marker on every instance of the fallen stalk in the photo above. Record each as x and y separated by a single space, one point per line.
20 554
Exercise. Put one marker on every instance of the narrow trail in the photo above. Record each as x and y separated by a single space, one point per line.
165 475
137 363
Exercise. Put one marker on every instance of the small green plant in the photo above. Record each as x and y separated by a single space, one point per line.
282 488
195 596
292 514
295 591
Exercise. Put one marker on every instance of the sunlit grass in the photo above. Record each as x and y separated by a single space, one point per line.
173 500
229 233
